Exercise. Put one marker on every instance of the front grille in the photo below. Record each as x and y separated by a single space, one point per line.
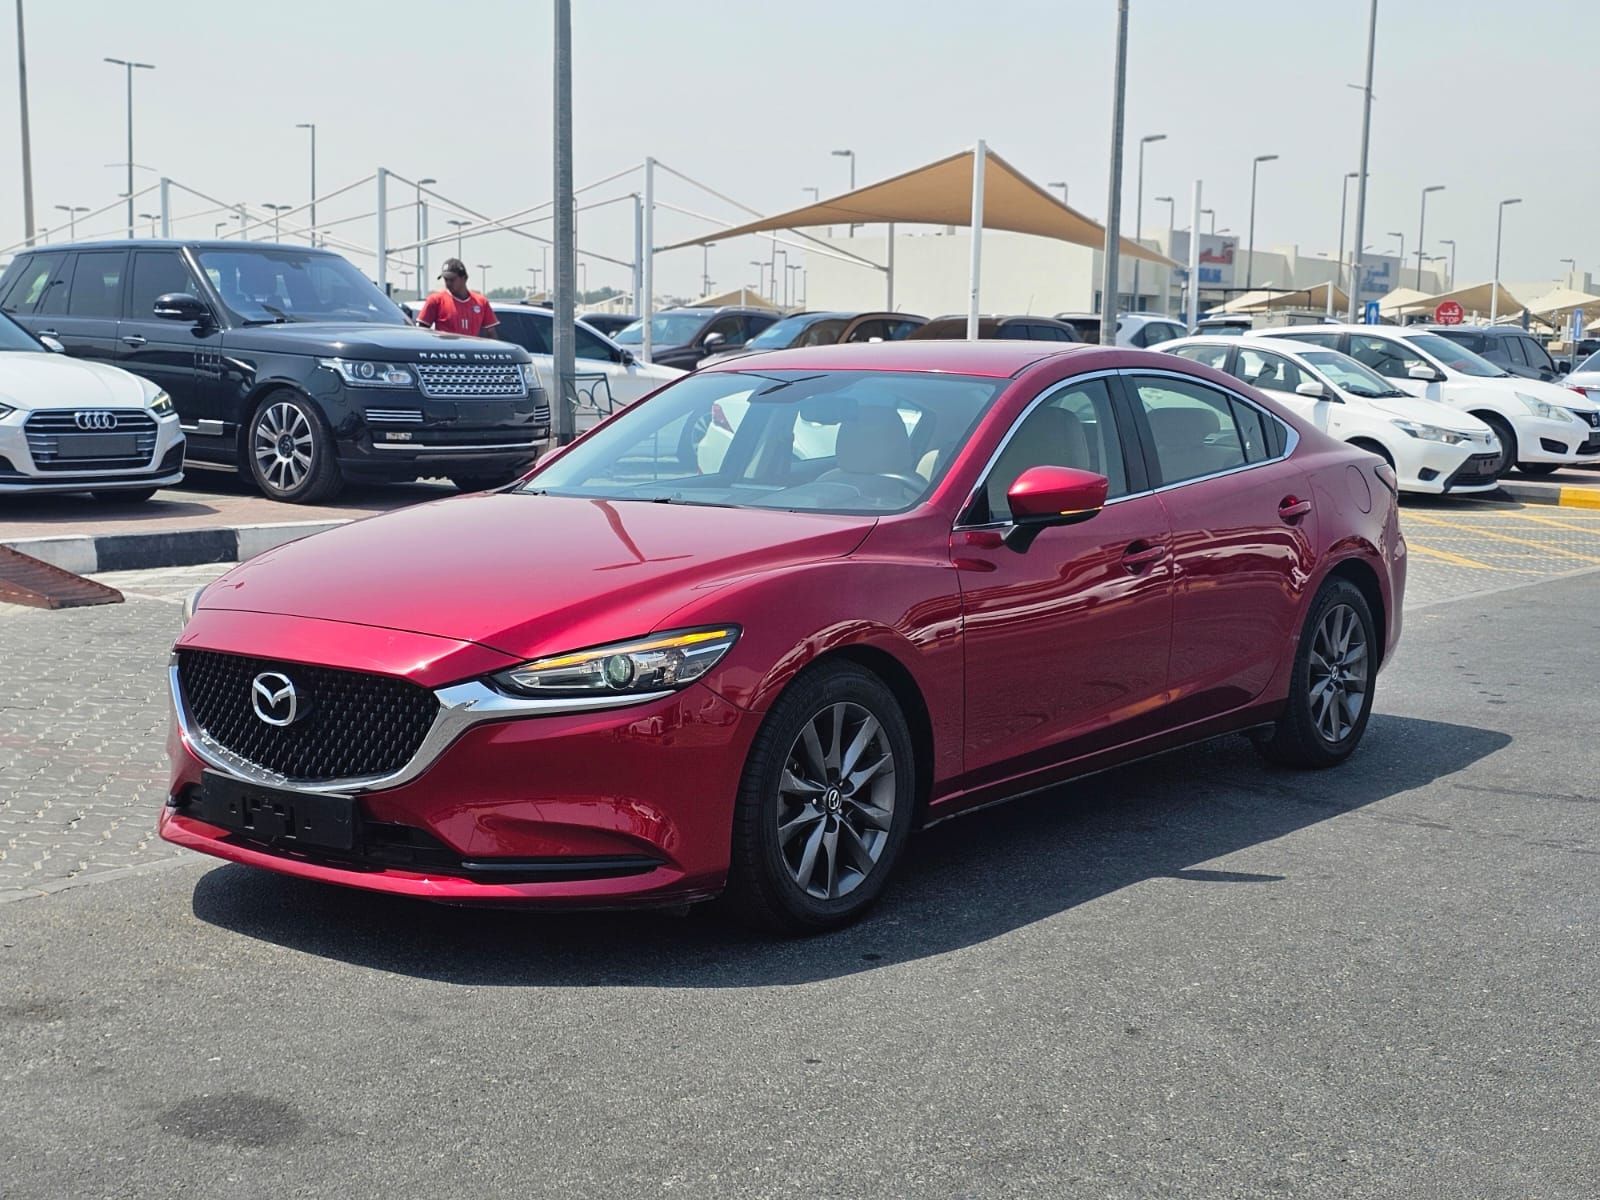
1592 418
353 724
1478 469
444 381
45 430
394 416
1591 446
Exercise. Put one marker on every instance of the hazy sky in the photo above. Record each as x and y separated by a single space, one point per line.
1488 98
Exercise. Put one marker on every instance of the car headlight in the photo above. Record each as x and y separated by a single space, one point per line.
161 406
1432 433
191 602
1550 412
662 662
363 372
530 375
6 410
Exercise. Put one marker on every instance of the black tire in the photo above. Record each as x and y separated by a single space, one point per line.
483 481
689 438
284 476
1508 442
1374 448
123 495
763 887
1299 738
1538 468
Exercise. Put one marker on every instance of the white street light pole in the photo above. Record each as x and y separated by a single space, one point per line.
1344 200
72 211
1250 264
154 219
1422 224
1138 206
1211 226
1361 167
1402 255
851 155
131 67
1499 228
1109 264
27 142
277 219
459 223
312 233
483 275
1451 242
1172 217
422 234
705 268
1060 183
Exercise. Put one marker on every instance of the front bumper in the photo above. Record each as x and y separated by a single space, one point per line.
388 431
1433 468
1565 442
20 472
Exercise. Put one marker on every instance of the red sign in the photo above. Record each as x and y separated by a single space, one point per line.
1448 313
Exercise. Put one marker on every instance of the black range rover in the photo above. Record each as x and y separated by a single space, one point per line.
287 362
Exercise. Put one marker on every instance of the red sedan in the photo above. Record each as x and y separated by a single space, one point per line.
920 577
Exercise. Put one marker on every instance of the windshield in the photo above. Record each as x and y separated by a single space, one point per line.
268 286
858 442
1348 374
798 331
666 329
14 337
1592 363
1457 358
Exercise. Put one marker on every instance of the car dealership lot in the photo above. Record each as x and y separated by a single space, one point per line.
1194 976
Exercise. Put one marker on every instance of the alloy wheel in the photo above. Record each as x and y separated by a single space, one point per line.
1338 675
836 801
283 445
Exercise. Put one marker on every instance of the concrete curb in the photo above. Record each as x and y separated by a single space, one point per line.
89 554
1557 494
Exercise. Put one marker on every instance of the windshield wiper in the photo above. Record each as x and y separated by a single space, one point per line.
279 317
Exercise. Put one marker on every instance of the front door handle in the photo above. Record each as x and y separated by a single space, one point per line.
1141 554
133 339
1291 509
48 333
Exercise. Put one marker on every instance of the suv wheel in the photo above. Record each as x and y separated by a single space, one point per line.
289 451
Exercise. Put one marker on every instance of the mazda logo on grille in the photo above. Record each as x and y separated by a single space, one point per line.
274 699
95 420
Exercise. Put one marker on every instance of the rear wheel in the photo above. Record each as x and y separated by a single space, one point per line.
825 805
289 451
1330 689
123 495
1507 439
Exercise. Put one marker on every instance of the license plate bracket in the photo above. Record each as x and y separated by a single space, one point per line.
97 445
275 815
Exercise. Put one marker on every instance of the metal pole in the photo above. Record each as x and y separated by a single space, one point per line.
1108 278
1192 306
130 149
566 255
1450 283
166 207
1499 226
1422 222
27 142
1250 264
980 155
1344 200
1138 207
422 250
638 249
313 214
1361 178
888 300
647 301
383 230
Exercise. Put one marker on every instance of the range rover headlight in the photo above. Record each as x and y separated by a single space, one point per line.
364 372
161 406
1432 433
530 376
662 662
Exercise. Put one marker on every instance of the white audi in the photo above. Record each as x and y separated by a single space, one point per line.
69 425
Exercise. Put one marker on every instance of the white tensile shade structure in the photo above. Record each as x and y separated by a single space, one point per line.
1314 297
1562 301
743 297
976 188
1479 298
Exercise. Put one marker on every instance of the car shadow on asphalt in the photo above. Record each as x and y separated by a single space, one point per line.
964 881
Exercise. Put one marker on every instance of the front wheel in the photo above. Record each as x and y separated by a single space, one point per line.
825 805
1538 468
1330 688
289 451
1508 443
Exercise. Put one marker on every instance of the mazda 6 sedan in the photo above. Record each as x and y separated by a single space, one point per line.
922 577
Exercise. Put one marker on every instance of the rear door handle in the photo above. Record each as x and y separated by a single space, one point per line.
133 339
1292 509
48 333
1141 554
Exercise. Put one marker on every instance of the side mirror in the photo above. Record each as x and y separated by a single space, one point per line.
1045 496
625 357
1313 389
1425 373
713 342
181 306
50 344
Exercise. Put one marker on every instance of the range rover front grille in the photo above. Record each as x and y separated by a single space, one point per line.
104 439
349 724
448 381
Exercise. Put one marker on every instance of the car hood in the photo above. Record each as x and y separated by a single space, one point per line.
392 343
35 381
528 575
1426 412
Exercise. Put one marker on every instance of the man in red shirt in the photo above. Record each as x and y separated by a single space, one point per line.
456 309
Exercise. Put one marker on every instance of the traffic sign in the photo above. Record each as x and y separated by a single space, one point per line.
1448 313
1369 315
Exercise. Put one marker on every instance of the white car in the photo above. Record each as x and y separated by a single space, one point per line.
70 425
1541 426
1432 447
1585 378
1140 330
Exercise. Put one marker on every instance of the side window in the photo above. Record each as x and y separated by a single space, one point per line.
754 323
899 330
1253 431
731 327
1502 350
155 273
868 330
587 345
41 274
526 330
1016 331
1209 356
1390 359
1074 427
97 284
1330 340
1269 372
1193 428
1537 355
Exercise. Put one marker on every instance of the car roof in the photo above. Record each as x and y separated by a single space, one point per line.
691 310
175 244
1485 330
992 359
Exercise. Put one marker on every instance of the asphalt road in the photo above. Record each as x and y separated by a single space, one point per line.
1194 977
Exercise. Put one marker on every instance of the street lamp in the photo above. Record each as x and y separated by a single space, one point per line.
1344 203
1421 224
761 273
72 211
483 275
422 234
1572 263
1060 183
217 228
534 271
131 67
1499 228
583 281
312 233
1451 242
1402 238
1250 266
277 211
1212 213
851 155
1138 206
460 224
816 194
153 218
705 266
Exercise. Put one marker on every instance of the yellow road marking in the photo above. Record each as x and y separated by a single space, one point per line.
1575 497
1453 559
1551 522
1545 547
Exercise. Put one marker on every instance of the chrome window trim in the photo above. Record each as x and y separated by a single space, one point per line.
461 707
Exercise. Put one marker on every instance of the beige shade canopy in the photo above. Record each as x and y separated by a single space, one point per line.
1479 298
1314 297
1562 301
741 296
941 194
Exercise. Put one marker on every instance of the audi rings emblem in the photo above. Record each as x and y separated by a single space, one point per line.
274 699
96 421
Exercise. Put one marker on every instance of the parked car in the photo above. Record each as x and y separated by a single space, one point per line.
681 337
1227 325
1586 379
1142 330
1018 564
609 324
1506 346
286 363
1540 426
1432 447
1015 328
826 329
69 425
